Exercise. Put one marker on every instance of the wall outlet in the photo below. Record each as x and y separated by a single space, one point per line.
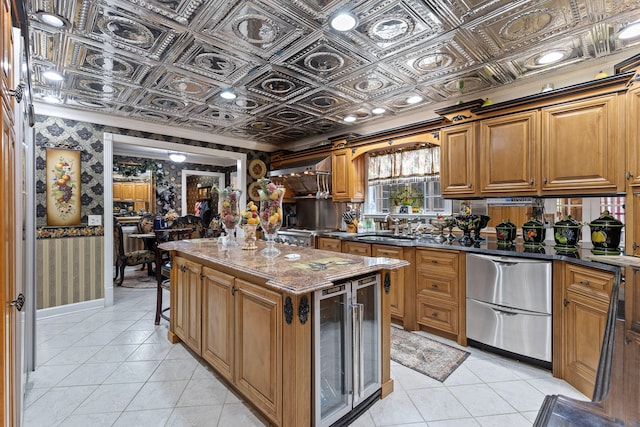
95 220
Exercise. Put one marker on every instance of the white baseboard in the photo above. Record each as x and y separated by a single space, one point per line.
44 313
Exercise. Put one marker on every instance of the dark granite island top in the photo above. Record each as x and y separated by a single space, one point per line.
314 270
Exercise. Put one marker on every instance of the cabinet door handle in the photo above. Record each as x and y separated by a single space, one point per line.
628 175
434 315
234 289
584 283
544 180
434 261
634 246
434 286
469 185
532 181
183 268
565 302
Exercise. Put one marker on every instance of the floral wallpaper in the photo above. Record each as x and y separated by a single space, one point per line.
88 137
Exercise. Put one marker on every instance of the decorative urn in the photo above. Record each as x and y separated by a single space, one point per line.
605 234
506 232
567 233
533 232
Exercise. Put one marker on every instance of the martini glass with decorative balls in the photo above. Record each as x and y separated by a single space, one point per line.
270 215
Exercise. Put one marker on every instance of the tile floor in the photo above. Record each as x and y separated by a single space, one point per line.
114 367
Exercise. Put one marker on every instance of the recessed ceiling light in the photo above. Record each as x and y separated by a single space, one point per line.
550 57
414 99
52 75
177 157
630 31
53 20
228 94
350 118
378 110
343 22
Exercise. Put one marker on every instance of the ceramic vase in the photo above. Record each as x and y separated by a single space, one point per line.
250 236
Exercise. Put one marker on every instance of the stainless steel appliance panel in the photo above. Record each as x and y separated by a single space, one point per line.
512 282
319 214
522 332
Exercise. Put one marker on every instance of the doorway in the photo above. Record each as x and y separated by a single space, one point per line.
124 145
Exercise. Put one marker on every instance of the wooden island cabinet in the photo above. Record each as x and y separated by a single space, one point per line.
250 318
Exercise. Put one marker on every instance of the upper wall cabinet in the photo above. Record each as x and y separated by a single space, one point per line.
509 148
458 160
348 176
582 149
633 136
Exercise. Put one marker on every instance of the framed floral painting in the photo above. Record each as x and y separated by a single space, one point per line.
63 187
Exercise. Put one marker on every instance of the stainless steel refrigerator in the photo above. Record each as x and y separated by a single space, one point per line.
347 349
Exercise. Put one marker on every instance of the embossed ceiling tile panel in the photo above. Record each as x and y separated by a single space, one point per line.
155 116
325 125
256 127
214 62
92 104
323 102
256 28
571 47
248 103
216 116
164 103
277 83
371 84
325 60
322 9
180 11
288 115
109 65
465 84
184 86
387 28
459 12
434 61
530 23
95 87
124 30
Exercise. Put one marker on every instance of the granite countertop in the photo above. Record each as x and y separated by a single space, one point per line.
583 255
314 270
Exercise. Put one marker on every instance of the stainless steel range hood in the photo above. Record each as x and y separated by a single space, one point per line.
306 179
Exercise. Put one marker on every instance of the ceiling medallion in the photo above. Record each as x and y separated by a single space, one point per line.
277 86
167 103
260 125
526 25
97 87
471 84
324 62
324 102
110 65
246 103
390 28
215 63
183 85
127 31
433 61
369 85
288 115
255 29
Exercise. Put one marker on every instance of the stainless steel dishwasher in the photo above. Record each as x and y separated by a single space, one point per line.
509 304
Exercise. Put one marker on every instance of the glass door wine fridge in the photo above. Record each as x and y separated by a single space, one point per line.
347 350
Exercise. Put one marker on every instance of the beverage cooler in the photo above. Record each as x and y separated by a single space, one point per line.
347 366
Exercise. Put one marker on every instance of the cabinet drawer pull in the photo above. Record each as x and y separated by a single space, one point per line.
433 261
434 315
234 289
585 283
544 180
434 286
469 185
532 181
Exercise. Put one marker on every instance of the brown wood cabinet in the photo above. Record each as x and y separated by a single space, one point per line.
509 151
218 314
258 347
580 311
402 289
582 149
458 160
187 296
329 244
347 176
633 136
441 292
632 347
356 248
632 224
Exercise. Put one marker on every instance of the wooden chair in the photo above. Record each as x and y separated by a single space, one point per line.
163 263
124 259
191 221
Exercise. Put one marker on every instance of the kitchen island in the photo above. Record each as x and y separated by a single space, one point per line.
252 319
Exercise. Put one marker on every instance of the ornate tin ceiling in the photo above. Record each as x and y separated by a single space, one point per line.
166 61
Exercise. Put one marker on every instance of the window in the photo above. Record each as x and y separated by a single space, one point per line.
421 195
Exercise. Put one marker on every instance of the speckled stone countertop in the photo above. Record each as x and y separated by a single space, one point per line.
314 270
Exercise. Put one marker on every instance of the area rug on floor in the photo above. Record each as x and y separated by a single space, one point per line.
429 357
136 278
